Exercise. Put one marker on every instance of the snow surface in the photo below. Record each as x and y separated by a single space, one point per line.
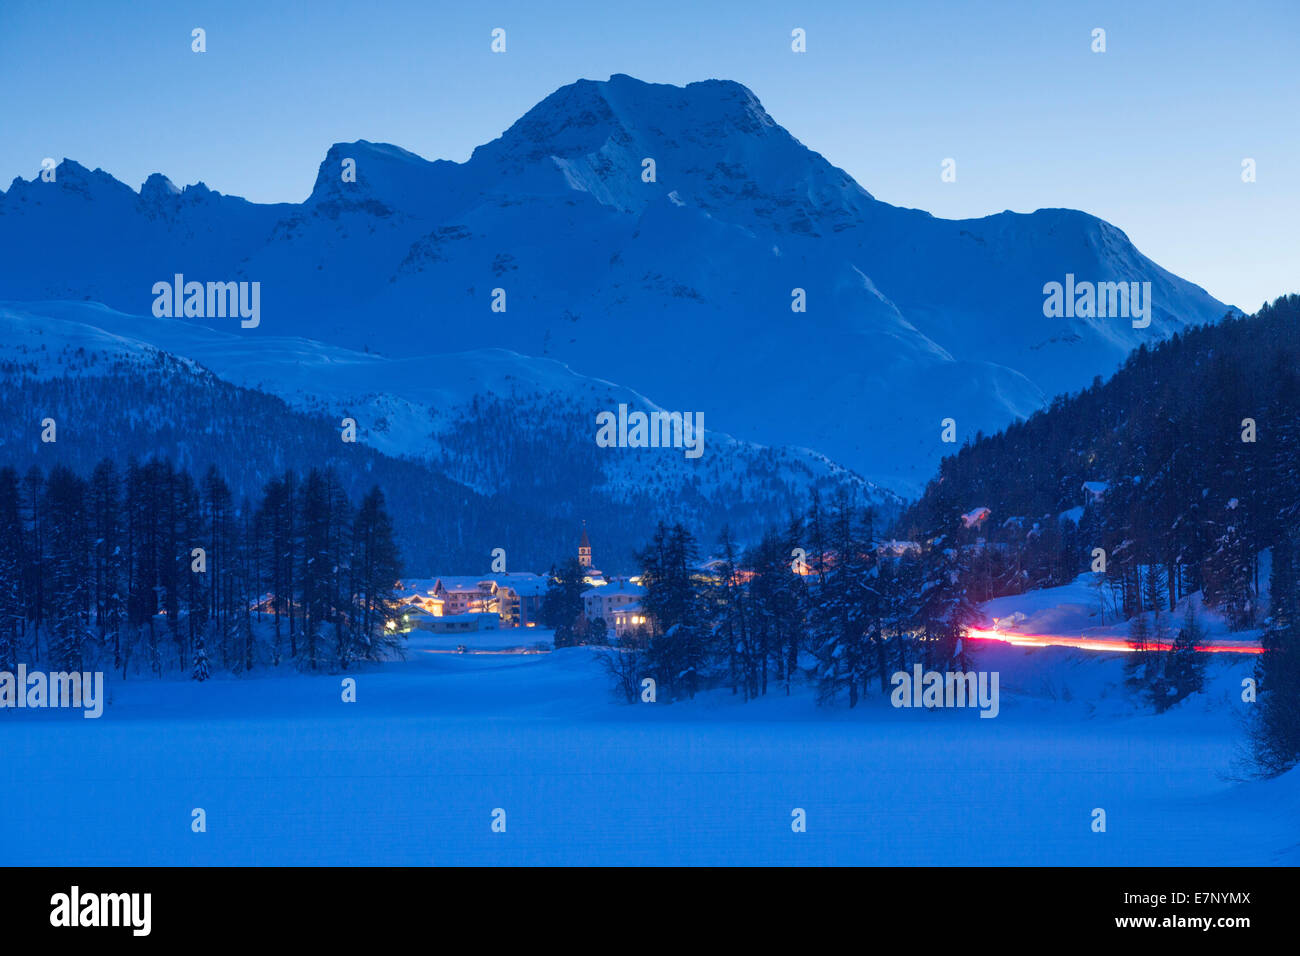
410 774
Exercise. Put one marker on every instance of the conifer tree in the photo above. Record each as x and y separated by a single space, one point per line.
1229 569
377 565
562 604
201 670
106 534
678 649
1275 729
1185 664
64 507
12 613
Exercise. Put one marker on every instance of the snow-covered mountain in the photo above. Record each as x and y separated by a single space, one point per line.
679 288
495 424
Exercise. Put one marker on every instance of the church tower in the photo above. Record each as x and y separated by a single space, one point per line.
584 548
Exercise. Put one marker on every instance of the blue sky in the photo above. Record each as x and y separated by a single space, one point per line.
1149 135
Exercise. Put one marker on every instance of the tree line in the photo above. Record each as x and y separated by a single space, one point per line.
148 570
825 596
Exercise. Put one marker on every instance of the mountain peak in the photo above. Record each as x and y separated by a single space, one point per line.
711 142
158 188
587 115
374 172
73 179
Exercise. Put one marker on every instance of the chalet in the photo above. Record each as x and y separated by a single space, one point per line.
465 594
418 594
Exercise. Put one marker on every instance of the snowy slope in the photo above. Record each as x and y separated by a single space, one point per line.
420 407
680 288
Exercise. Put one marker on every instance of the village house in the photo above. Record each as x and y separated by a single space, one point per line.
465 594
628 619
516 597
519 597
604 602
418 594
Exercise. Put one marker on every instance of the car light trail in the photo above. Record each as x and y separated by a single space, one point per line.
1021 639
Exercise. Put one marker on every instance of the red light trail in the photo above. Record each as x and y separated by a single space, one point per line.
1120 644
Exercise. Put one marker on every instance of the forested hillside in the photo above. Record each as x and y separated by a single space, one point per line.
189 416
1187 460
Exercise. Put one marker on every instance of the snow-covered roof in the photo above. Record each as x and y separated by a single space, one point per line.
463 583
620 586
417 585
523 583
1096 488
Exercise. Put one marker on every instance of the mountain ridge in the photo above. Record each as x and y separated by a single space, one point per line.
911 318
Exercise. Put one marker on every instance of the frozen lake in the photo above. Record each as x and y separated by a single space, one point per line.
287 773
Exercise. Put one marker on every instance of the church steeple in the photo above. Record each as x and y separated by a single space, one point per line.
584 548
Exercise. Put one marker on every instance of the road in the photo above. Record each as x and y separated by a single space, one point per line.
1023 639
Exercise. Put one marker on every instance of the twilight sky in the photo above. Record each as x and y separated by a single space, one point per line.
1149 135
